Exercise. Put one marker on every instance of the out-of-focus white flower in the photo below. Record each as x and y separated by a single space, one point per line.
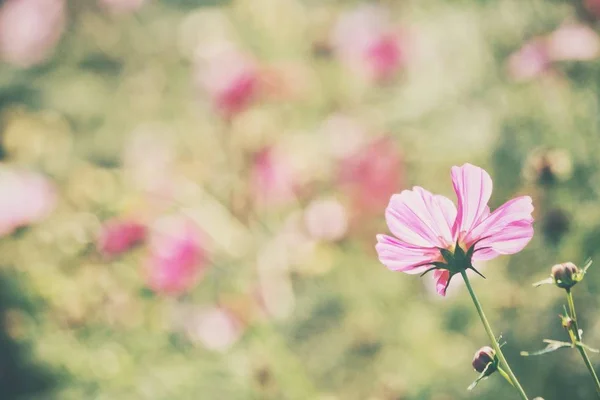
326 219
25 198
30 30
215 328
573 42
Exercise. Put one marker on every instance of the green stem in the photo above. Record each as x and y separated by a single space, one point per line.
505 376
581 349
492 337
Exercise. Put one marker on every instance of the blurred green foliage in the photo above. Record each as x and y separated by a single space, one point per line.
81 327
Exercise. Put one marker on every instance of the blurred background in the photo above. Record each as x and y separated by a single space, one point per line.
190 192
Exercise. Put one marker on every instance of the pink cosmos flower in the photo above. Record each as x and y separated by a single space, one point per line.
230 77
177 256
30 30
119 235
431 233
367 42
25 198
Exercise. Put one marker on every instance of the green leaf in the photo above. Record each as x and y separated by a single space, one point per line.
585 346
588 264
547 281
486 372
552 345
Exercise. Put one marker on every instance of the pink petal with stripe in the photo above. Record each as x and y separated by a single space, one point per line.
419 218
473 187
399 256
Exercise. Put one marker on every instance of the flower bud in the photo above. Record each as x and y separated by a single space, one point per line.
567 322
566 275
483 357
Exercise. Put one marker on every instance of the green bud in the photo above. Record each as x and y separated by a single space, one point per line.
566 275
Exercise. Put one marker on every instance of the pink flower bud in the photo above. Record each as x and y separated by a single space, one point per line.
566 275
483 357
119 235
30 30
177 256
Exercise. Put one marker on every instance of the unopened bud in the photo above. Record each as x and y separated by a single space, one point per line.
484 357
567 322
566 275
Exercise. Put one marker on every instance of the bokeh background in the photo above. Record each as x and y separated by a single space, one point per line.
190 192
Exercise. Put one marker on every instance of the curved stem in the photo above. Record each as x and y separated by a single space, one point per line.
492 337
581 349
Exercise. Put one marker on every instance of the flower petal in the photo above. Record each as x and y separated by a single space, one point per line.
473 187
505 231
441 277
419 218
403 257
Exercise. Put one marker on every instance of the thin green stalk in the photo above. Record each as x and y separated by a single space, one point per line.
492 337
505 376
581 349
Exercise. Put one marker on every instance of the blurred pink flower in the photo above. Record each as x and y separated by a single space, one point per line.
119 235
30 30
371 175
230 77
593 6
25 198
326 219
273 179
177 257
365 39
216 328
529 61
570 42
430 231
573 42
122 6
